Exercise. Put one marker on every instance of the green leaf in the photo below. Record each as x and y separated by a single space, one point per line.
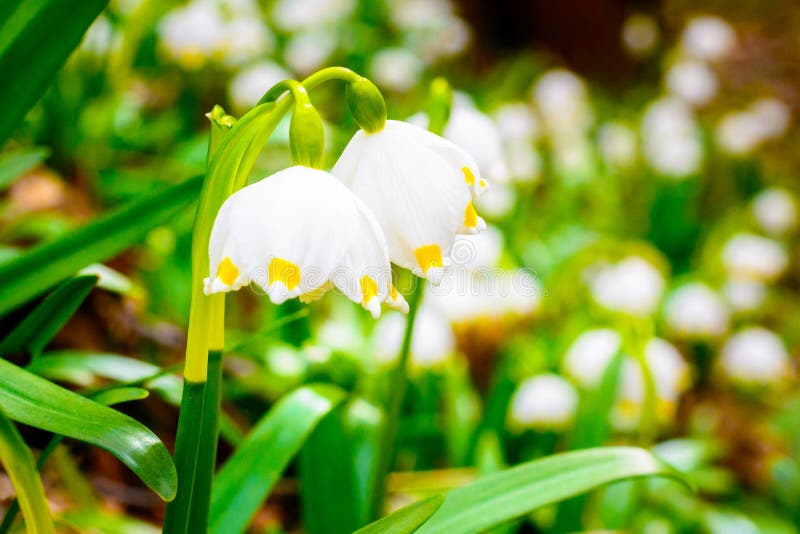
82 368
107 397
17 460
248 476
44 322
14 165
42 267
512 493
36 38
405 520
32 400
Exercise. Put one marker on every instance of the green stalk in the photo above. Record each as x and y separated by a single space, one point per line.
398 381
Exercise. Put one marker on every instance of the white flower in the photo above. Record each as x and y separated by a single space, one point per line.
308 51
246 38
774 116
640 34
751 257
562 100
397 69
517 122
448 39
775 210
545 401
480 250
416 14
298 15
670 374
755 356
632 286
589 355
696 311
708 38
432 342
693 81
745 295
193 34
249 85
419 186
671 138
739 133
618 144
298 233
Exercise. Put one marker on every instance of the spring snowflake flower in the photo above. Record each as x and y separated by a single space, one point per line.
744 295
432 342
671 375
633 286
776 211
708 38
420 188
618 144
300 15
397 69
249 85
640 34
696 311
298 233
478 135
693 81
308 51
193 34
562 100
751 257
755 356
671 138
590 354
543 402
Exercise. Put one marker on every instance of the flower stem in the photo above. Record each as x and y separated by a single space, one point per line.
397 383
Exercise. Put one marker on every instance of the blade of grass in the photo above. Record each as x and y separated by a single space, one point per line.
405 520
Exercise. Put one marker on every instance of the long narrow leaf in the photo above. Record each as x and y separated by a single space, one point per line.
247 478
509 494
41 268
32 400
36 38
13 166
405 520
17 460
44 322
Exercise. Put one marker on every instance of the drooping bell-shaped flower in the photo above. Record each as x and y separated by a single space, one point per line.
419 185
299 233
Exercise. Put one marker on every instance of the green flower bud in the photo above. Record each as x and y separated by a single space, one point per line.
366 104
220 124
307 135
440 102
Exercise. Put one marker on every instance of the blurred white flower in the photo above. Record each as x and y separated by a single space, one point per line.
755 356
397 69
299 15
543 402
633 286
640 34
618 144
671 138
774 115
308 51
416 14
432 342
498 201
693 81
246 39
449 39
775 210
517 122
478 135
466 296
589 355
420 187
99 37
260 236
193 34
745 295
249 85
341 335
752 257
671 376
696 311
562 100
739 133
709 38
